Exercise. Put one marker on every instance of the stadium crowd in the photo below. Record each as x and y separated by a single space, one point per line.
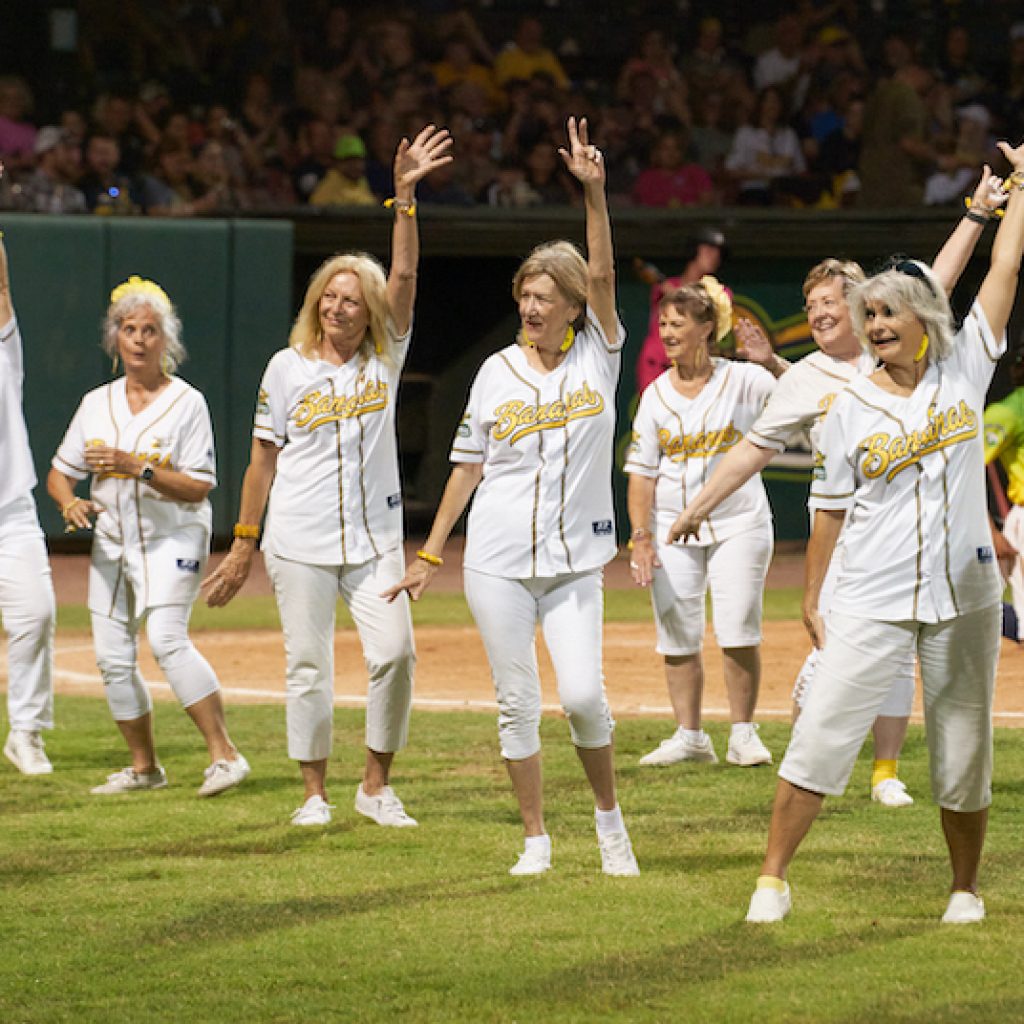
197 107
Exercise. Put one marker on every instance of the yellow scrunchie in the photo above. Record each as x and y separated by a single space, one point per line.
138 284
722 303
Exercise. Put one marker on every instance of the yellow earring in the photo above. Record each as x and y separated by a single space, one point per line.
114 363
166 367
526 340
570 337
924 348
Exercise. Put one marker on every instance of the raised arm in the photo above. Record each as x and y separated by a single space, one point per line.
413 161
6 305
957 250
999 288
585 163
227 579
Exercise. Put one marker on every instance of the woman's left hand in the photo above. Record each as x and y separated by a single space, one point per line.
643 560
1015 154
415 160
584 161
989 193
754 343
111 461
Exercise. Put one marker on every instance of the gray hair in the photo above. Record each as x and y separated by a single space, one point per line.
913 287
167 318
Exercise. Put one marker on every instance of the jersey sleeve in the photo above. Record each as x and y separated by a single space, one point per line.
470 442
976 348
780 419
1001 425
399 343
197 458
834 476
612 346
69 458
270 422
643 455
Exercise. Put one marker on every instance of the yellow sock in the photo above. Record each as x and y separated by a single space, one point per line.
883 770
770 882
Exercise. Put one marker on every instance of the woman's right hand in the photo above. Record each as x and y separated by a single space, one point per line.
814 624
687 525
415 581
79 514
226 580
643 560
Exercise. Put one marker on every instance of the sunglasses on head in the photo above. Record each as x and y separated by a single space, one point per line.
912 269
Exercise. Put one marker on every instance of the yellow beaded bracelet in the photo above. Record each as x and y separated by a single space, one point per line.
246 531
987 212
401 206
69 506
430 559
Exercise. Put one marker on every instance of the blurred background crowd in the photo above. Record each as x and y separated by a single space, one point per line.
192 107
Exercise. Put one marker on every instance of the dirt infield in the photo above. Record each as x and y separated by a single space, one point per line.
251 663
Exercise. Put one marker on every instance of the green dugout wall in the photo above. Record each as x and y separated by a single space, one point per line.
231 282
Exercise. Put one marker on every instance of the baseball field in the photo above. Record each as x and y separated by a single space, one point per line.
162 907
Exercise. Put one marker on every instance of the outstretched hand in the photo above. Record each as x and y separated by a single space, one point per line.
416 580
584 161
415 160
1015 154
753 342
989 193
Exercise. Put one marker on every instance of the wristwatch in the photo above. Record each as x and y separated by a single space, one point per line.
147 473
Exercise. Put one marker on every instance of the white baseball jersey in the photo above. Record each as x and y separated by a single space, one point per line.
544 505
336 497
678 440
910 472
18 474
148 549
802 397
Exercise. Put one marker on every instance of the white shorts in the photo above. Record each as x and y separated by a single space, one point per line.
733 569
958 666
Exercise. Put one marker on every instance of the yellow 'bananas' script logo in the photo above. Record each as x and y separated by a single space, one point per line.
889 455
516 419
698 446
316 409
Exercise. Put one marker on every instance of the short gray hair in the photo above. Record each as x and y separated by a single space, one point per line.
912 286
167 317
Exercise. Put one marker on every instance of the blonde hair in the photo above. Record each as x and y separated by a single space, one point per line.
564 264
130 302
910 285
706 302
305 336
849 272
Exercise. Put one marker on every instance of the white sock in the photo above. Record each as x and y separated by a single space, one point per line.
609 821
692 735
541 843
736 726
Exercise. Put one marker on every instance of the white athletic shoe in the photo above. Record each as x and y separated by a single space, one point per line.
533 860
128 780
964 908
315 811
769 905
24 749
891 793
746 748
223 775
384 808
617 856
678 748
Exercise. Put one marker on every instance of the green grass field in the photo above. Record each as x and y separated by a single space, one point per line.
163 908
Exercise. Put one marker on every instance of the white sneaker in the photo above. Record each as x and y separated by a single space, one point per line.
769 905
534 860
746 748
315 811
891 793
223 775
128 780
24 749
678 748
964 908
617 854
384 808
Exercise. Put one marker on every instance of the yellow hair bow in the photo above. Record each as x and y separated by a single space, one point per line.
138 284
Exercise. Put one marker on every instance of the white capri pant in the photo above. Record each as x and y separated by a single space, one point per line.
306 599
117 656
958 666
1013 531
570 610
735 571
27 610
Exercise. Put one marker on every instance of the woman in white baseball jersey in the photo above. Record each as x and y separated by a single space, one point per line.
26 593
535 444
902 465
147 442
797 409
688 418
324 455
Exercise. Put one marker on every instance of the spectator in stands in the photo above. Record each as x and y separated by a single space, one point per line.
526 55
382 140
260 117
895 155
783 65
458 66
239 153
168 191
765 153
958 69
1010 84
316 153
839 154
654 56
710 137
509 188
672 180
113 115
621 159
212 177
546 175
708 67
50 188
476 143
104 189
17 133
345 183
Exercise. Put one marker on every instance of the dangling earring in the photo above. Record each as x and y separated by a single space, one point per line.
525 339
570 337
114 363
924 348
166 366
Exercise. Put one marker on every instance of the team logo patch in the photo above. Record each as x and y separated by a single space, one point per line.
985 555
819 467
188 564
464 430
602 527
394 500
263 403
